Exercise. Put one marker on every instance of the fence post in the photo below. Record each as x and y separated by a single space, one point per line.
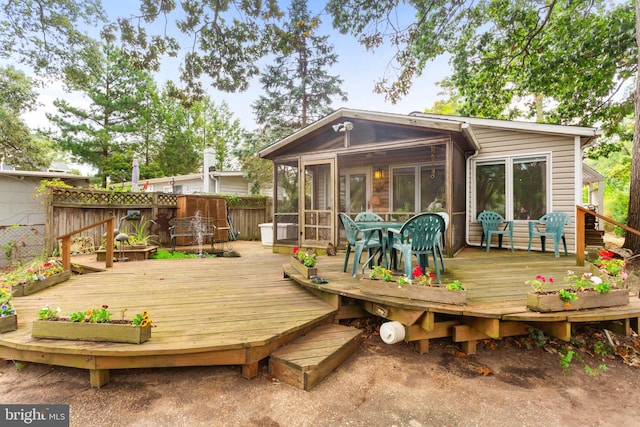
580 236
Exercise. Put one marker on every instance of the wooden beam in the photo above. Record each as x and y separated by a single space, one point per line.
250 370
402 315
428 321
440 330
560 330
490 327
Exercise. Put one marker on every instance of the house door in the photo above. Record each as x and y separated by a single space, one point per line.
355 193
318 213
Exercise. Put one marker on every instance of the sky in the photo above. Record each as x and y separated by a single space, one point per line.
359 69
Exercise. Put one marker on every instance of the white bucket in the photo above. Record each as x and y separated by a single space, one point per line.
392 332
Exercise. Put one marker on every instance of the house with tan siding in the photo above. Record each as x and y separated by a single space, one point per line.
399 165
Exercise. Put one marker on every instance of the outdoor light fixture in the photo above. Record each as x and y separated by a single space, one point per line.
378 174
344 127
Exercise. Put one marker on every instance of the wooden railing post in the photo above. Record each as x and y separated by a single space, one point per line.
66 243
109 244
580 237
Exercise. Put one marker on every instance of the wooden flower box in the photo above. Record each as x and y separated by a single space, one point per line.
82 331
8 323
439 294
25 289
551 301
306 272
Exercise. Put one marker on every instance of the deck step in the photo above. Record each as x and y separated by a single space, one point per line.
307 360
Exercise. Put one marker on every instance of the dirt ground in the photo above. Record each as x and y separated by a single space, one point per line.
504 384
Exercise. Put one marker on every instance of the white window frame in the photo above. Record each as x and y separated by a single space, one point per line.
508 164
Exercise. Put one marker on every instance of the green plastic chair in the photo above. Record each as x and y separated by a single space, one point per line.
360 239
368 216
554 223
420 236
491 222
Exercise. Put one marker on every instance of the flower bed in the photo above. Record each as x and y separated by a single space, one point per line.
8 317
92 325
382 282
304 262
36 276
586 291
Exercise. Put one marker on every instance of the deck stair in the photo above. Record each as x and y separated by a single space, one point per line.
310 358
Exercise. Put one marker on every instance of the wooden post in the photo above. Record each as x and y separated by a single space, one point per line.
580 236
49 241
66 253
109 244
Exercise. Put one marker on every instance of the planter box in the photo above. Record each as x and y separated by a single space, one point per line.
306 272
586 299
129 253
8 323
33 287
82 331
438 294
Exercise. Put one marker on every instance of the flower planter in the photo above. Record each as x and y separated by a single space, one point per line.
551 301
25 289
306 272
439 294
8 323
82 331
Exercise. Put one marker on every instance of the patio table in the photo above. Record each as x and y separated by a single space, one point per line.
384 227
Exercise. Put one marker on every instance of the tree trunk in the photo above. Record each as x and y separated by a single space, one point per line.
632 241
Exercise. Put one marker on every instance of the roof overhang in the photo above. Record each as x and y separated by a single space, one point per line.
388 118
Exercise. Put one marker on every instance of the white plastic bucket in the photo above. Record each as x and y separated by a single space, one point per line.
392 332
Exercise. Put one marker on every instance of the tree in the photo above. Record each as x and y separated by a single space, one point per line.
226 38
569 61
216 126
18 145
299 89
44 35
99 135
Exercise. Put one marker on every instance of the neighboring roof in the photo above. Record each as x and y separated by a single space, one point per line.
40 174
590 175
461 124
189 177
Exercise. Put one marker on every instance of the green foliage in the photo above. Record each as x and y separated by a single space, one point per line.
455 286
565 360
77 316
47 313
299 89
163 254
567 296
99 315
537 337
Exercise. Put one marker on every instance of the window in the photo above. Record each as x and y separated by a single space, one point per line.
515 187
426 191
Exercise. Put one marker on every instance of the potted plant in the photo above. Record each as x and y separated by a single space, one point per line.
419 286
586 291
8 316
39 274
305 262
141 236
92 325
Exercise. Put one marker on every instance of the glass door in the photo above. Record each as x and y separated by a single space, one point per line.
318 215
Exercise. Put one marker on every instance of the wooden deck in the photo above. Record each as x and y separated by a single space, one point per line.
496 299
237 311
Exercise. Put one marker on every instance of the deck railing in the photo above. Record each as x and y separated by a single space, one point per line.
580 232
66 243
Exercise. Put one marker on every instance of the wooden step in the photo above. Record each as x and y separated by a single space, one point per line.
307 360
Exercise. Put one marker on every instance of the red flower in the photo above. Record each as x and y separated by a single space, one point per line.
431 276
295 250
550 279
417 272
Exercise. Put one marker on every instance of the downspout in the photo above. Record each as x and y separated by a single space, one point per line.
467 131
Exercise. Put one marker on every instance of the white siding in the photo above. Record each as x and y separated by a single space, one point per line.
499 143
18 205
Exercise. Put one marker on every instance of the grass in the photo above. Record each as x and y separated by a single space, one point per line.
164 254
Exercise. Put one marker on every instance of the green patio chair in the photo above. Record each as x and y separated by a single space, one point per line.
550 225
368 216
360 239
419 236
491 224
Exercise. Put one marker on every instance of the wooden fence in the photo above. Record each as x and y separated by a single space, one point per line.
69 209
